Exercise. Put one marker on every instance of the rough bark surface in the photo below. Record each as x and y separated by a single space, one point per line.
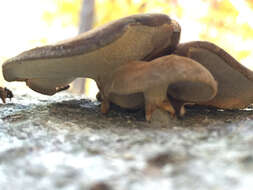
64 142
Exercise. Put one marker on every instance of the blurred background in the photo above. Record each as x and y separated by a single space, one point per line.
30 23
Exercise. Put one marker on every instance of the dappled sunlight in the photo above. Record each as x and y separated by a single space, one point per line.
93 90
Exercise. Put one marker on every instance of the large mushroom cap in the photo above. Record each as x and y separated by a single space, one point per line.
185 79
175 76
95 53
235 89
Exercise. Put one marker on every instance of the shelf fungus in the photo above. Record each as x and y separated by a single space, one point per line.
5 93
235 82
153 83
94 54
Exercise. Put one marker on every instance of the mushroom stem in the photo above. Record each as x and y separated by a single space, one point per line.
156 98
178 107
105 106
167 106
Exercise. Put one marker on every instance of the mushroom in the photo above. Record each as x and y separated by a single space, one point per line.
94 54
235 89
5 93
181 78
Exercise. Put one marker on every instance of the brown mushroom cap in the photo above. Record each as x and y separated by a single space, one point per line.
235 89
185 79
96 53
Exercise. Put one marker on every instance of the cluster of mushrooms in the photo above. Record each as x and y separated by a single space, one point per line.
137 62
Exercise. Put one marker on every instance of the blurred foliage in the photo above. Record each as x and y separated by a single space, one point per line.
67 11
106 10
112 9
221 27
250 3
219 24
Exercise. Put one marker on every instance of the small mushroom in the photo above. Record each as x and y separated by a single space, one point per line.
235 82
94 54
179 77
5 93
